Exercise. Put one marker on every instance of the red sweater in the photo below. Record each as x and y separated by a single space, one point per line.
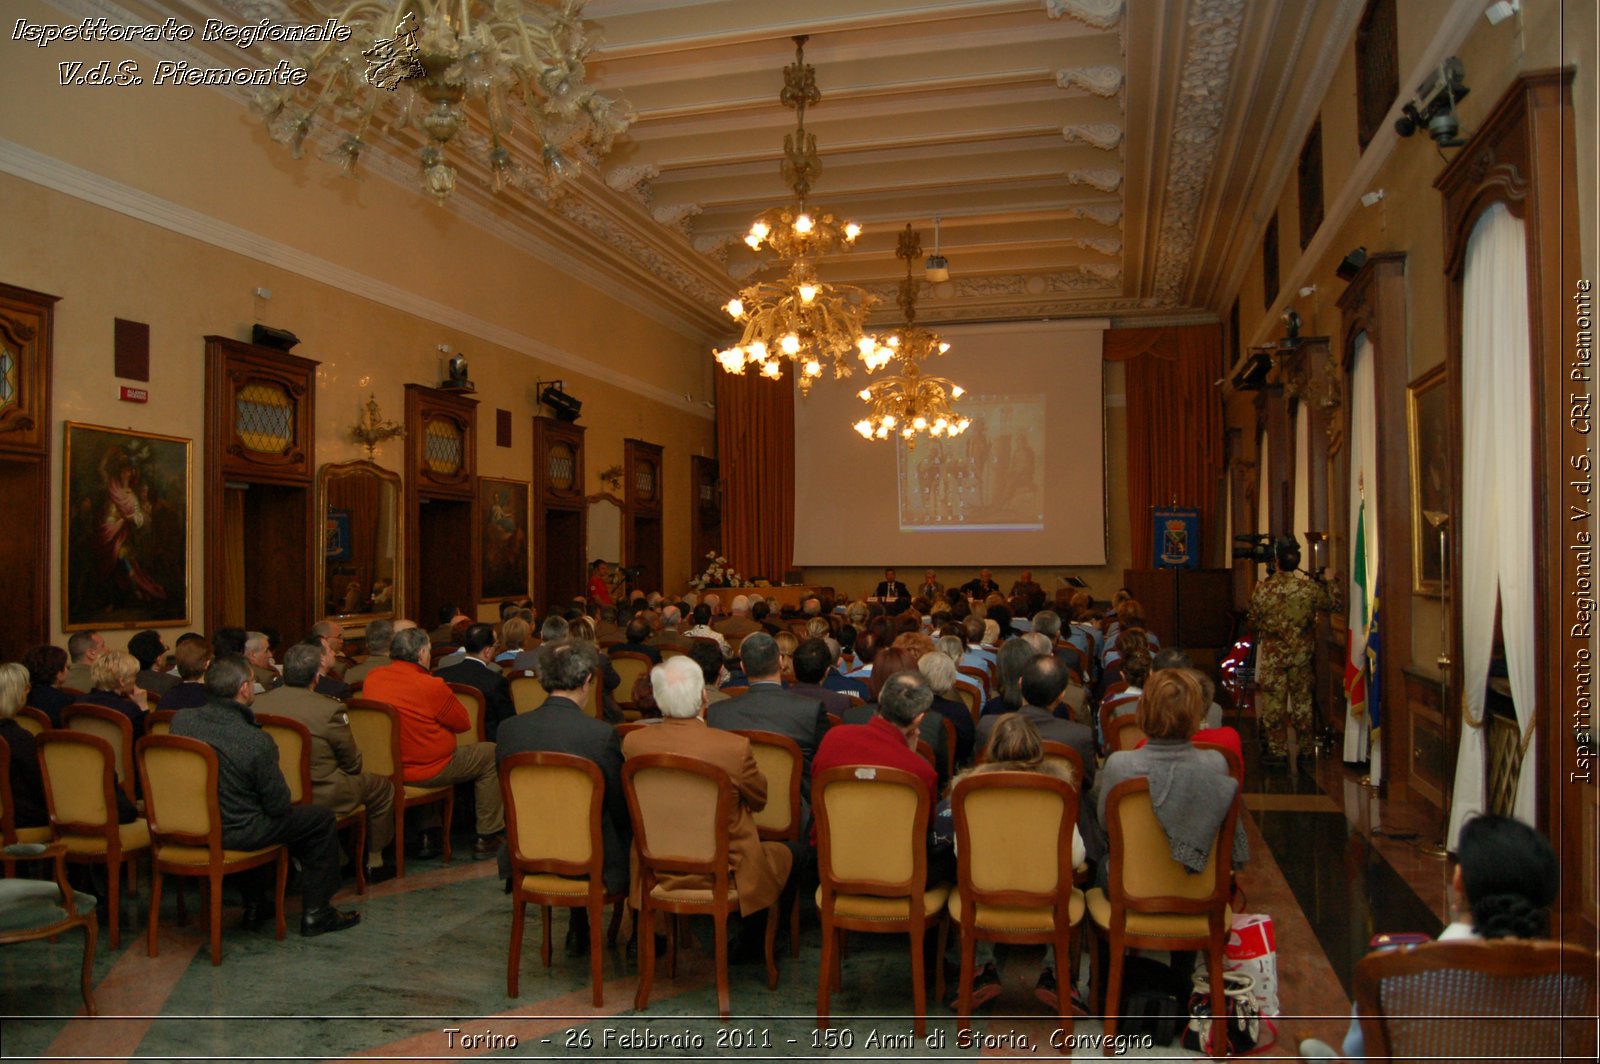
876 742
430 716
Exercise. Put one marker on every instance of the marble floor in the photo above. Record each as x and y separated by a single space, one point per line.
424 974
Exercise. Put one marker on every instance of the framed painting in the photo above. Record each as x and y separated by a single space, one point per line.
503 532
1428 421
125 559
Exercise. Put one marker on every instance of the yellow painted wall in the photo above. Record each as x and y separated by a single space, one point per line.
369 274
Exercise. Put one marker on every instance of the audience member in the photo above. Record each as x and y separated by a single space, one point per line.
636 640
254 801
766 706
738 623
885 665
147 648
192 658
940 672
514 635
430 719
83 648
567 672
338 781
379 635
813 660
477 669
258 652
703 629
28 808
115 677
47 671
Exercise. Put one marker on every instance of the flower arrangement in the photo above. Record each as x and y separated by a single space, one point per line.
718 573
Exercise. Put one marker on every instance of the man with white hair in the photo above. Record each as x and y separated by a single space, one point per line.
258 652
669 636
760 869
740 623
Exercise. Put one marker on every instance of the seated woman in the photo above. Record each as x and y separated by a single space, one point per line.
1505 881
940 672
116 686
47 668
1014 657
27 781
1013 747
513 637
1190 789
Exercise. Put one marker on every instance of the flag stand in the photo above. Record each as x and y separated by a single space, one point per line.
1440 847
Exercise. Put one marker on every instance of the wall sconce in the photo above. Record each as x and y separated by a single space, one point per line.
372 429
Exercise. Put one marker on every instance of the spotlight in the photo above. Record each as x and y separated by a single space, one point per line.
1373 198
1501 10
1351 264
936 268
564 406
277 339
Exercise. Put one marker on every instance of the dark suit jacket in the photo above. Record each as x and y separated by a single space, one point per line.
835 702
768 707
497 704
561 727
895 590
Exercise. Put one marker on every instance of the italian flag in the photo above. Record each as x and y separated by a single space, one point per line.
1355 658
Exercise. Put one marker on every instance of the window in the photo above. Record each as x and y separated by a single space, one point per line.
1311 184
1269 262
1377 69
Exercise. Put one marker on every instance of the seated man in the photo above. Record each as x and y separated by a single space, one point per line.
768 707
192 657
760 869
669 635
981 586
637 640
258 652
337 781
702 628
567 670
254 800
83 648
430 719
890 589
379 635
148 648
331 632
739 623
477 669
715 673
813 660
327 681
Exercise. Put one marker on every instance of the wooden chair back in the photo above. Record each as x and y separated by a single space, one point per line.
527 693
293 739
80 784
680 807
376 728
33 720
977 675
159 721
1235 765
971 697
872 823
553 804
1123 734
110 725
630 665
1503 999
180 789
473 701
1145 877
783 763
1065 755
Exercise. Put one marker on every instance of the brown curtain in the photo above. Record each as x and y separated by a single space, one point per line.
1175 446
360 495
755 451
233 558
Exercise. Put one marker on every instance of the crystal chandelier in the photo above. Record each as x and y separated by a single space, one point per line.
911 403
420 62
799 318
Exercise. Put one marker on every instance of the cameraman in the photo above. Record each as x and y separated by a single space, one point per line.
1284 612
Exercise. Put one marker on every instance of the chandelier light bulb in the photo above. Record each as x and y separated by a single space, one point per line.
865 428
920 423
813 368
735 308
943 347
772 369
851 231
803 224
758 233
808 292
957 391
790 344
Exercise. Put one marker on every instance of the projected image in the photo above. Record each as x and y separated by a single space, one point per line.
988 479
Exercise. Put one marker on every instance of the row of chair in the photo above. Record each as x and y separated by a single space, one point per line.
1015 880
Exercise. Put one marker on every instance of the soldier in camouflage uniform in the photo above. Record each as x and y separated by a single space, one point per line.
1283 611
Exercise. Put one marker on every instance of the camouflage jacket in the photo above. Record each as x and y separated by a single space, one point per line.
1283 610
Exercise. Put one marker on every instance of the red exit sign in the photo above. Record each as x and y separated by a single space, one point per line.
134 395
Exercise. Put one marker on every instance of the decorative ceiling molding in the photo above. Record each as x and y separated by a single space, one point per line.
1101 14
676 216
634 180
1103 135
1105 245
1210 44
1104 179
1103 81
1108 214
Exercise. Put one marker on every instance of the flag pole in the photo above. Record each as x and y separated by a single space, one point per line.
1440 847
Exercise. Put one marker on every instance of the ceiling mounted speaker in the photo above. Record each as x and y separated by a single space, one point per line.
1351 264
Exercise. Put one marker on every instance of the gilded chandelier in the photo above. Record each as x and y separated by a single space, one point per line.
798 318
911 403
422 63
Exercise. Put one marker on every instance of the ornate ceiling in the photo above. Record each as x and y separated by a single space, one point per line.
1084 157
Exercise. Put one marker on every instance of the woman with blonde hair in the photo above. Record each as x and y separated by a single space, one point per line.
115 674
1014 746
940 672
513 639
27 781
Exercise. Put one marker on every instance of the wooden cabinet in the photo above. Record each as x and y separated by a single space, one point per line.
560 513
642 532
26 328
442 542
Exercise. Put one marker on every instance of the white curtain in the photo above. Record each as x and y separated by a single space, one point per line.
1301 519
1496 497
1363 477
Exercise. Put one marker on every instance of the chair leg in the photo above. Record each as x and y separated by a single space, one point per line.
1066 979
773 916
919 980
155 907
361 853
1113 990
597 957
399 835
721 938
969 962
133 877
544 943
514 961
449 813
283 884
938 967
183 904
672 946
114 899
647 951
214 912
825 968
87 978
794 926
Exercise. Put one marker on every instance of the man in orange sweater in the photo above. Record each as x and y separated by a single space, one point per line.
430 719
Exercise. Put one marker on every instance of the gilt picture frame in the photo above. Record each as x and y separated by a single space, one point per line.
1428 426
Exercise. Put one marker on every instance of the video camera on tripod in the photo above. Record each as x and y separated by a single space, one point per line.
1254 547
